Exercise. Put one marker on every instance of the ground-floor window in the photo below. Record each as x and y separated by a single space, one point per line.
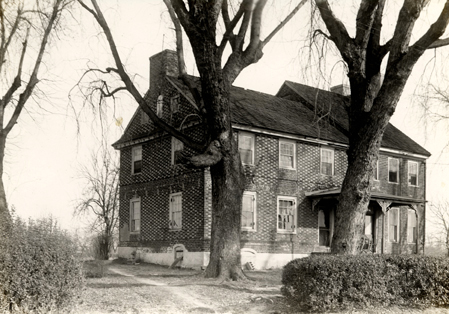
248 220
175 221
134 215
325 226
286 214
393 222
411 226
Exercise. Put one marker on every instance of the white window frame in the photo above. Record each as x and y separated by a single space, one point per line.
399 170
134 157
417 172
332 151
413 213
295 214
398 220
172 225
132 215
160 106
253 195
176 145
376 172
253 145
293 143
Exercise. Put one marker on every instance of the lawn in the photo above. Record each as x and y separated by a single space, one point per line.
148 288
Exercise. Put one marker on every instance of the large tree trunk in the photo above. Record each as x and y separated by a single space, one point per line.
227 191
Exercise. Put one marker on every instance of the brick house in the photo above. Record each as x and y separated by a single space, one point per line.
292 146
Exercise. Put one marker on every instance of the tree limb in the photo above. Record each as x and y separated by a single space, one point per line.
98 15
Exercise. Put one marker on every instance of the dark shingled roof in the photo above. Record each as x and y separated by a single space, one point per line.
393 138
298 116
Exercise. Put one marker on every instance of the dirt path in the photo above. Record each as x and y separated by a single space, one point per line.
182 293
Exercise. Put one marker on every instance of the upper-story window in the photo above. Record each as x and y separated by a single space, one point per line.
174 104
393 170
134 215
327 161
159 105
411 226
286 214
176 147
413 168
249 211
175 219
136 166
246 148
287 153
393 222
376 171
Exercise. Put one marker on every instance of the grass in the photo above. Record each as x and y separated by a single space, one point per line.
149 288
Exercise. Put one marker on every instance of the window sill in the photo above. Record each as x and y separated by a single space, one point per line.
393 182
287 168
248 230
285 232
174 229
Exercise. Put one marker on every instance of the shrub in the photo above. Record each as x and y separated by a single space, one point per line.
94 269
38 268
322 283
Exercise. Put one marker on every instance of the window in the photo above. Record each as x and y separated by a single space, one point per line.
325 226
327 161
413 173
286 214
246 148
249 211
134 215
174 104
159 105
376 171
393 170
393 222
287 154
411 226
175 219
136 159
176 147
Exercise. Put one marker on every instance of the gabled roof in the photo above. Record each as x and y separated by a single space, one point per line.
336 105
293 112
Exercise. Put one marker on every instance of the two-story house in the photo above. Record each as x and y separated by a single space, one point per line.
293 147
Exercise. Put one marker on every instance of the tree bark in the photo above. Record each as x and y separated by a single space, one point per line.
5 216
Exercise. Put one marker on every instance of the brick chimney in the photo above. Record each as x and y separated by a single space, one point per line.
342 89
162 64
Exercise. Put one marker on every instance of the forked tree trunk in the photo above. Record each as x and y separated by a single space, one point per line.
227 190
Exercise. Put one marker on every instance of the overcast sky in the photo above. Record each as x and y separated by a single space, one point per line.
45 151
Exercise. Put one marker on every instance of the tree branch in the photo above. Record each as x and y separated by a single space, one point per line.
98 15
365 19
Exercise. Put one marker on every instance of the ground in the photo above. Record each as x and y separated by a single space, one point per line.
147 288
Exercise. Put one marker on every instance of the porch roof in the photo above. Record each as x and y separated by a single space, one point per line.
396 199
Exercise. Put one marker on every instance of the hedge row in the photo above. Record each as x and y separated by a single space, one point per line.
39 272
322 283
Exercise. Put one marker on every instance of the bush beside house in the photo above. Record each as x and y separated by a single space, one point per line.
39 271
323 283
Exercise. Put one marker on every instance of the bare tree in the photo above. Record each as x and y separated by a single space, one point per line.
101 198
440 213
373 102
200 20
26 28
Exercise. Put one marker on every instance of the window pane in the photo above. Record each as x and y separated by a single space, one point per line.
411 226
368 225
413 173
393 216
393 170
138 166
327 161
246 156
286 216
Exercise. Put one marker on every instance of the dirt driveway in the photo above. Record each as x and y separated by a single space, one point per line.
148 288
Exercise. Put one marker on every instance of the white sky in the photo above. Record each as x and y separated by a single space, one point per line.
45 151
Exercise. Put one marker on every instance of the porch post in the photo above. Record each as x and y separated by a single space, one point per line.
384 205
